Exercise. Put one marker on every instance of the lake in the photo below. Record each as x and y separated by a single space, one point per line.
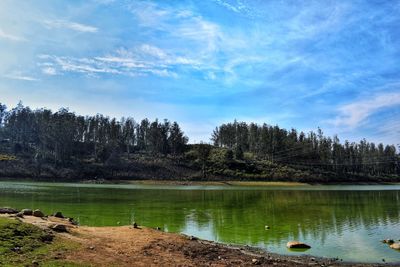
337 221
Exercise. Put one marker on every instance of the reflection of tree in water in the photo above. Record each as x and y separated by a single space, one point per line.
292 214
234 215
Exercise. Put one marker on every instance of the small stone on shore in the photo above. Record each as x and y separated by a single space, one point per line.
7 210
61 228
58 214
27 212
135 225
38 213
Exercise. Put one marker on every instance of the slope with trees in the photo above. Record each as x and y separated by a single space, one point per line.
62 145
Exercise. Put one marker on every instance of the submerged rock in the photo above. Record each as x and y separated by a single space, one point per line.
38 213
297 244
7 210
27 212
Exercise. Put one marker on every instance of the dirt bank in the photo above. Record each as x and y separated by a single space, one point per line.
126 246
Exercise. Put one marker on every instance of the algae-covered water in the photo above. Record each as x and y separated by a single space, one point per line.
337 221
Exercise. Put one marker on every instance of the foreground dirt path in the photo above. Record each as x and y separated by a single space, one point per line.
126 246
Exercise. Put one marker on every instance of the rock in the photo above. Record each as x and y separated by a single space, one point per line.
91 247
266 227
193 238
27 212
297 244
72 221
20 215
61 228
255 261
16 249
395 246
58 214
388 241
38 213
7 210
35 263
135 225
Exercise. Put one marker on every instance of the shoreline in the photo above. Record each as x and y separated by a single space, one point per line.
249 183
127 246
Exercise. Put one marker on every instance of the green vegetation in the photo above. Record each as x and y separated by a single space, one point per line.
21 244
41 144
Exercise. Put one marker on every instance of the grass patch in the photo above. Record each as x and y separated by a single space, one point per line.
22 243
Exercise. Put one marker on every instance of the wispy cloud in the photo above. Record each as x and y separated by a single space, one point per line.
353 114
49 71
237 7
142 60
63 24
19 76
11 37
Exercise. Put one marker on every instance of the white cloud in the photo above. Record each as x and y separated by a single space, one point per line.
52 24
353 114
238 8
49 71
19 76
153 51
11 37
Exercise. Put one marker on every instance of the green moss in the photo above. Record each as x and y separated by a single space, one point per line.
22 243
22 237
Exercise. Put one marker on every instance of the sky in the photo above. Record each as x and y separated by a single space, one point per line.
300 64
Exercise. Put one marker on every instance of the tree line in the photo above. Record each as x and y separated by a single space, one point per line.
63 136
63 139
312 150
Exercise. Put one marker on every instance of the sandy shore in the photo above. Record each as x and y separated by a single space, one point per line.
127 246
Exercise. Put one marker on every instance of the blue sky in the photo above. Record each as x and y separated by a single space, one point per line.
302 64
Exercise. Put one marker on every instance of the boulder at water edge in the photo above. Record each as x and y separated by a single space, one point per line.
8 211
395 246
27 212
38 213
58 214
297 244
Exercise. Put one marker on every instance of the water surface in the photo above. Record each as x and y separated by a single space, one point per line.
337 221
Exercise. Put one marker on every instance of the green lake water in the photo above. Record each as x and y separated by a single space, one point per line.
337 221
